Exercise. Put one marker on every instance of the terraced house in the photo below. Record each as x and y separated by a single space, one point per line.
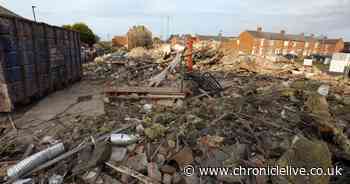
267 43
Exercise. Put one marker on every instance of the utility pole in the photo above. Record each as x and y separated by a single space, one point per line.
168 27
33 8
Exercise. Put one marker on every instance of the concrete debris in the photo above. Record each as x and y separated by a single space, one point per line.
140 129
56 179
168 169
347 100
91 176
48 140
230 179
135 174
138 162
100 154
169 120
212 141
118 154
153 171
147 108
167 179
138 52
317 156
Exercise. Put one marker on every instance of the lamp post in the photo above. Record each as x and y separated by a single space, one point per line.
33 8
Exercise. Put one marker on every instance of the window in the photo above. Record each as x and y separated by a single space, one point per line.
285 51
286 43
262 42
305 52
317 44
294 44
307 44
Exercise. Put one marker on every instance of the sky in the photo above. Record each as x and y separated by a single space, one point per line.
164 17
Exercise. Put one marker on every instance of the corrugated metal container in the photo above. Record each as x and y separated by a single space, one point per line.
35 59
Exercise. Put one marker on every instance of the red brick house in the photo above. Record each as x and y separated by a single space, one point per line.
346 47
120 41
268 43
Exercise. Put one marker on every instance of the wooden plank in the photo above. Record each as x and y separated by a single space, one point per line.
125 170
153 97
5 101
144 90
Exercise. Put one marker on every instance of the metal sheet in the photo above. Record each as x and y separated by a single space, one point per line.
36 59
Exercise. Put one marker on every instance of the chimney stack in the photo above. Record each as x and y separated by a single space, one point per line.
283 32
259 29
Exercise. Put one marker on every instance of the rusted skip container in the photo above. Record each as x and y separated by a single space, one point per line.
35 59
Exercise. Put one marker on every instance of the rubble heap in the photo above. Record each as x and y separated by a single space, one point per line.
268 114
139 36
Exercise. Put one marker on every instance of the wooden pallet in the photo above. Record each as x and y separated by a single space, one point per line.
144 92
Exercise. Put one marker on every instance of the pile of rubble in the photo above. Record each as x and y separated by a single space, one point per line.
266 114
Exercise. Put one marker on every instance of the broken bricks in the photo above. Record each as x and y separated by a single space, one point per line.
183 158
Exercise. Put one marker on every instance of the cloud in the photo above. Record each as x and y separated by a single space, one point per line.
196 16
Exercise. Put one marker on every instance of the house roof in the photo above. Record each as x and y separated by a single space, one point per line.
215 38
290 37
4 11
331 41
208 37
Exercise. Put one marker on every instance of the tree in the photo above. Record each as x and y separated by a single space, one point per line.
86 34
67 27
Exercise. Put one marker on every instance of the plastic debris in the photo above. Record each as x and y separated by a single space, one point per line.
323 90
56 179
123 139
147 108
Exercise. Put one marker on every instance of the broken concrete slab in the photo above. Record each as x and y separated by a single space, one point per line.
316 156
93 107
118 154
138 162
153 171
62 102
100 154
167 179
